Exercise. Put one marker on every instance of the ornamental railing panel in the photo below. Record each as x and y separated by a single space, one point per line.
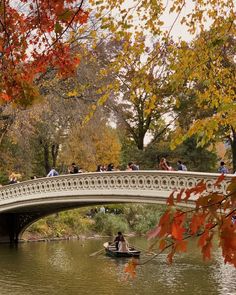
143 182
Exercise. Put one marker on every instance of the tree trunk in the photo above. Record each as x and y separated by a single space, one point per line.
140 142
46 158
54 152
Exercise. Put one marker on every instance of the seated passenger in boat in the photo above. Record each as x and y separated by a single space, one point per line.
123 245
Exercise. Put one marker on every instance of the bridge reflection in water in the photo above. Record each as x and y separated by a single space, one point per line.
23 203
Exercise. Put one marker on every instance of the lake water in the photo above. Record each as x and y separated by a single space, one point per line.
65 267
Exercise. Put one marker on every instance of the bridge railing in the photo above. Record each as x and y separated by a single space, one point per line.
150 181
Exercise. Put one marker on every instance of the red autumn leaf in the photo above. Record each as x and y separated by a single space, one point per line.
170 257
179 216
198 189
165 218
197 221
219 179
206 250
179 195
5 97
162 244
177 231
201 187
165 224
203 238
130 268
181 246
170 200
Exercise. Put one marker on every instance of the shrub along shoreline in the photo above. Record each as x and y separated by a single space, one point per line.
85 223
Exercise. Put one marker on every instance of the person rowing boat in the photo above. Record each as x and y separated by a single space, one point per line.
118 239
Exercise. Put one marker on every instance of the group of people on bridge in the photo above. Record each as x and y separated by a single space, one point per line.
163 165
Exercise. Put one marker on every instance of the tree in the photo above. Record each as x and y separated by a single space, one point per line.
140 104
206 85
145 16
93 144
46 126
33 39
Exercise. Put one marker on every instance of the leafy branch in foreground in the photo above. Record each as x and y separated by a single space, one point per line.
213 215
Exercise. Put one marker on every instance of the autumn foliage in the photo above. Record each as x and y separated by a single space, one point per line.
213 216
34 37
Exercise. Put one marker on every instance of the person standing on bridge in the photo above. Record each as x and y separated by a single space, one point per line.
223 169
52 172
181 166
74 169
163 164
132 167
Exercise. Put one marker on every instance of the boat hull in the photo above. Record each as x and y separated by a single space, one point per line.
112 252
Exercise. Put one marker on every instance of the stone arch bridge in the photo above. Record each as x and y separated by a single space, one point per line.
23 203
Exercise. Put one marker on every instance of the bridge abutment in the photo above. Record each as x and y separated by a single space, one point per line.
13 224
9 228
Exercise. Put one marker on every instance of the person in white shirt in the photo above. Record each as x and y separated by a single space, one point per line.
123 245
52 172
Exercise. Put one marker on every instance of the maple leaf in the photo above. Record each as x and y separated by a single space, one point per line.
130 268
197 221
179 195
181 246
203 238
170 257
219 179
177 231
162 244
170 200
206 250
5 97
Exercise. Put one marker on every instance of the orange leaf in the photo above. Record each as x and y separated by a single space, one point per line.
219 179
162 244
177 231
206 249
197 221
181 246
179 195
130 268
5 96
170 200
203 238
170 256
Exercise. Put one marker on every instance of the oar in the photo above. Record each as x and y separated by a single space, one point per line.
100 251
96 253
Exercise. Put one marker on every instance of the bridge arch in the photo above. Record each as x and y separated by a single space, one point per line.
23 203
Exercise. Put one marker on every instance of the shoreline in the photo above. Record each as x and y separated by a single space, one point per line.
33 238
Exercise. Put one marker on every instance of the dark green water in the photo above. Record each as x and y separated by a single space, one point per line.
65 267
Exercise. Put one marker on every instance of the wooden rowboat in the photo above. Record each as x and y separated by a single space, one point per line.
111 251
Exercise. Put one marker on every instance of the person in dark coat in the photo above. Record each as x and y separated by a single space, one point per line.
118 238
74 169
